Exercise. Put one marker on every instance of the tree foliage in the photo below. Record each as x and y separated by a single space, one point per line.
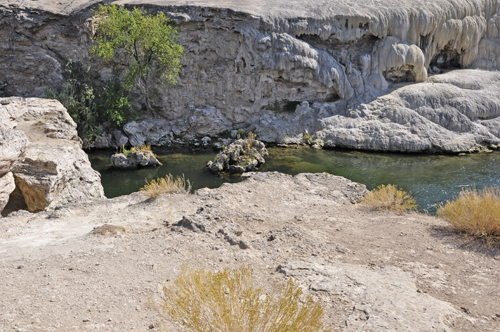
89 104
143 46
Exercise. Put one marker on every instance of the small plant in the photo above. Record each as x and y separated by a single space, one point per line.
250 139
241 132
476 213
142 148
285 105
139 148
166 185
228 301
389 198
306 135
125 151
275 106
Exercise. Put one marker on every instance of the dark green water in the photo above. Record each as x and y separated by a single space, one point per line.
431 179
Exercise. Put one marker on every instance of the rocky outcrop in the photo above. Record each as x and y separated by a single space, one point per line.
385 298
453 112
43 156
134 160
335 57
243 155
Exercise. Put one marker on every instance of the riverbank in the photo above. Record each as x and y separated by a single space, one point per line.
403 272
431 179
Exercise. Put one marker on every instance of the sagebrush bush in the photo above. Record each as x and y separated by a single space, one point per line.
166 185
474 212
389 198
227 301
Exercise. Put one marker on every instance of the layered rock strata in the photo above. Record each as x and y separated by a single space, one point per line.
42 156
242 58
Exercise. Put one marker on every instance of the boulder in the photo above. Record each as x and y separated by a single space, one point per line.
243 155
50 175
134 160
119 138
40 149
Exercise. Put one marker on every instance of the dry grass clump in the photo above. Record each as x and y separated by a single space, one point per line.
390 198
227 301
475 213
167 185
109 230
141 148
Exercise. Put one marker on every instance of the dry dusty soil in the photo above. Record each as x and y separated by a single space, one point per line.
373 271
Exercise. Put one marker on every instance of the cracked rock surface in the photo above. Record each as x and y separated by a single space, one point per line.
93 266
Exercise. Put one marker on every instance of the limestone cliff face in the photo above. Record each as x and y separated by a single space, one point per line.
242 59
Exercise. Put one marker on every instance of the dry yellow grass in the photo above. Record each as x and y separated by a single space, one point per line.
389 198
475 213
142 148
227 301
139 148
167 185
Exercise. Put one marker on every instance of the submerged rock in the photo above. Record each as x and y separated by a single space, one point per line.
243 155
134 160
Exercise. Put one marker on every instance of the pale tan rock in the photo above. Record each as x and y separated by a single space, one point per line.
53 174
7 186
13 143
44 154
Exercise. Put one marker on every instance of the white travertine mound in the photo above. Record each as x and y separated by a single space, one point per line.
453 112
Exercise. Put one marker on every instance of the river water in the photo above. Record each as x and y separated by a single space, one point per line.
431 179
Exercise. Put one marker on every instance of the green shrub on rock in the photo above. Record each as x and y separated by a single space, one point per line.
89 104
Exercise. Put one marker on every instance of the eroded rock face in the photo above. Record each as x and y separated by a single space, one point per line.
241 58
13 143
44 154
54 174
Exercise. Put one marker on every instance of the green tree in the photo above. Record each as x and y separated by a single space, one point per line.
142 45
90 104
